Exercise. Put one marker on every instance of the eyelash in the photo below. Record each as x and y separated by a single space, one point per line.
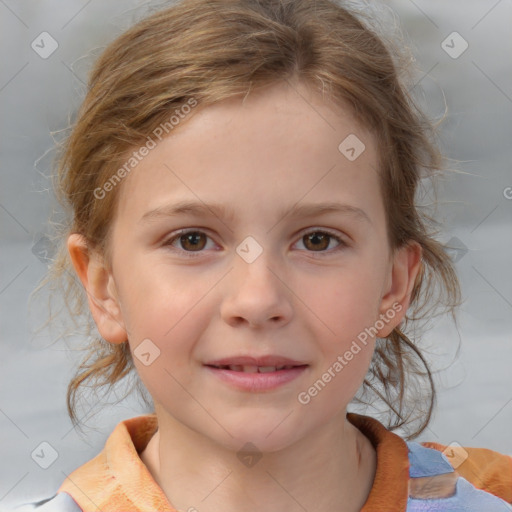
194 254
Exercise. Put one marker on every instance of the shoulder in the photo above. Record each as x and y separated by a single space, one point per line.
459 478
61 502
484 468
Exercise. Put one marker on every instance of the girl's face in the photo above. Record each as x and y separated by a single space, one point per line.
253 279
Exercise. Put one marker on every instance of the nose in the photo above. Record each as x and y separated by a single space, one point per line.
257 295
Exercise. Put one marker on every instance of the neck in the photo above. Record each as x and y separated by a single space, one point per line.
330 470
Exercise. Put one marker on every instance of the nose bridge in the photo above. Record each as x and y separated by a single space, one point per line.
256 293
254 268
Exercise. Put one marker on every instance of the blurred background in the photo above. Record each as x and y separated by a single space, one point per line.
462 50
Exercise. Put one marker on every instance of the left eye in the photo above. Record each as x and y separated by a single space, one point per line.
319 241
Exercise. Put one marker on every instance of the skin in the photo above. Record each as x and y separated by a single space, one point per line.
277 148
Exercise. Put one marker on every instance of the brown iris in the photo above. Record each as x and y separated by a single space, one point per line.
191 241
320 240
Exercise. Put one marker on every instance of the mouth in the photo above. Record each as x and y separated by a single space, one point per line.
254 378
254 368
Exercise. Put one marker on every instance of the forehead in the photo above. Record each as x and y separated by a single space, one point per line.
276 146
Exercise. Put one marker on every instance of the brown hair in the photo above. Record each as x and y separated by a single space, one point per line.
211 51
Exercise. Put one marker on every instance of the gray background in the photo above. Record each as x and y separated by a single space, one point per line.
37 97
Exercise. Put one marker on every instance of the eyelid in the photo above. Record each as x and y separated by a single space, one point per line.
318 229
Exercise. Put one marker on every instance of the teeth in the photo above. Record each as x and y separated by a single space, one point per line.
255 369
265 369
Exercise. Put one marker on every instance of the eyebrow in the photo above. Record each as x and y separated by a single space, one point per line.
220 211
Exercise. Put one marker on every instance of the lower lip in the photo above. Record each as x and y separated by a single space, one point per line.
257 381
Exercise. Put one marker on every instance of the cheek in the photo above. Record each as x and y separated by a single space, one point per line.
161 304
336 383
169 336
347 303
164 327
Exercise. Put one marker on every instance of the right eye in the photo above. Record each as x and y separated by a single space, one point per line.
190 241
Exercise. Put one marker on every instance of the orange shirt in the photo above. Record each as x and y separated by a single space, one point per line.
117 479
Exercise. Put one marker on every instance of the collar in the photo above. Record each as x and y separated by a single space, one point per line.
390 485
117 479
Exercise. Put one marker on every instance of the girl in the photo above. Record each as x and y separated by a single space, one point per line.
242 177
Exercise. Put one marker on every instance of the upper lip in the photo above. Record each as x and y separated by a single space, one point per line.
255 361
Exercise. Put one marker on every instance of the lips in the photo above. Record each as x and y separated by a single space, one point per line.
254 378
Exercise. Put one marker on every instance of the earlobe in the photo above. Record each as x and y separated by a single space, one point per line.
406 266
100 288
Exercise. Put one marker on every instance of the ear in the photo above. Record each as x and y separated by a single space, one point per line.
100 288
406 264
